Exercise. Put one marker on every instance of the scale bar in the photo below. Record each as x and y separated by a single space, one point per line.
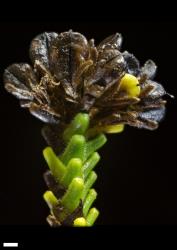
10 244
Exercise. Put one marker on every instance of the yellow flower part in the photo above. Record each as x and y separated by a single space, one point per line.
130 84
80 222
111 129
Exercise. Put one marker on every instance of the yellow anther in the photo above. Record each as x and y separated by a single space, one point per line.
111 129
80 222
130 84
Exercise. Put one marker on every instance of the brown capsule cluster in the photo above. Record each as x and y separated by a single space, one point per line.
71 75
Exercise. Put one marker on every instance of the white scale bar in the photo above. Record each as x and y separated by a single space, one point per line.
10 244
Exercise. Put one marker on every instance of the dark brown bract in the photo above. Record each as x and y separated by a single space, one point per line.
71 75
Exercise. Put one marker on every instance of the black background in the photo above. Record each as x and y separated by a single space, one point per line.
138 171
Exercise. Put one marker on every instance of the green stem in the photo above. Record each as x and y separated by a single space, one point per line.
88 184
75 149
79 125
89 201
72 197
57 168
92 216
95 144
90 164
73 170
50 199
